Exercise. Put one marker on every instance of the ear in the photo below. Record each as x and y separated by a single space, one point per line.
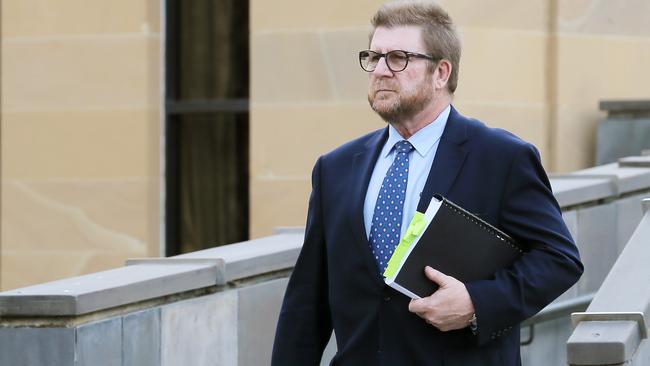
443 73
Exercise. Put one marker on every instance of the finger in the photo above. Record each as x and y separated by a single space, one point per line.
436 276
416 306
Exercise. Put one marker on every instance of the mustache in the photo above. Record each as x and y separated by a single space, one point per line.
377 86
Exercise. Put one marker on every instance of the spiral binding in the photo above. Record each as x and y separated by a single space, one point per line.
484 225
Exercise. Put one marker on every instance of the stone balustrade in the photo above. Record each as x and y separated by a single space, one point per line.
219 306
211 307
614 329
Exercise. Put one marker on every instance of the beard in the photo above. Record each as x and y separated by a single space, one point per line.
395 105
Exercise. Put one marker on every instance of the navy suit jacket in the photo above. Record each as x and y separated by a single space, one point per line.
336 285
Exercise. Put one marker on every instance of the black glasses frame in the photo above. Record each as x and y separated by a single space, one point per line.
405 54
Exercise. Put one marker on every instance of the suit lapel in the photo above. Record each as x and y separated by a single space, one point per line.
448 160
363 164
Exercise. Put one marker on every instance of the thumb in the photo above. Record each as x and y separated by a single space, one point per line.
436 276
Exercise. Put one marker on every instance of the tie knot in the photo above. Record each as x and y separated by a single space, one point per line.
403 147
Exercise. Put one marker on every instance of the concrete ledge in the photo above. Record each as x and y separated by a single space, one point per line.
104 290
254 257
224 301
217 262
638 317
635 162
605 336
572 190
278 230
149 278
603 342
628 106
613 297
628 179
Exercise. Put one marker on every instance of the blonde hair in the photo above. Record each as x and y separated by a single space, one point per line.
438 30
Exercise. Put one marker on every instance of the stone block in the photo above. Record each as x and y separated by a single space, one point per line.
519 75
642 355
605 19
30 267
85 207
312 129
348 81
631 269
277 202
289 230
597 242
200 331
500 14
629 214
79 73
58 228
578 93
636 161
37 346
39 147
573 139
530 17
603 342
281 14
625 107
621 137
548 343
259 306
287 67
572 190
141 338
107 289
253 257
627 179
34 18
586 88
100 343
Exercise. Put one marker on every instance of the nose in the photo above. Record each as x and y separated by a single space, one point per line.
382 68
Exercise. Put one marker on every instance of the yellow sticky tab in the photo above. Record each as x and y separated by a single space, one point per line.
412 232
418 225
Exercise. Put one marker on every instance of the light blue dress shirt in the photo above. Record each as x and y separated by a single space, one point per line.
426 143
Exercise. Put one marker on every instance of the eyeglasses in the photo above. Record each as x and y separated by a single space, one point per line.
396 60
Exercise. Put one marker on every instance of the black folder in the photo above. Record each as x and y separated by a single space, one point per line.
456 243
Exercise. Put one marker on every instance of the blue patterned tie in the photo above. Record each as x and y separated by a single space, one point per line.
387 218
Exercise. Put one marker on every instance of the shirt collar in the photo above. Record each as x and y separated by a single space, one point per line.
424 139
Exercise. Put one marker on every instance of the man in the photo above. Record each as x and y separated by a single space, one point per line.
427 148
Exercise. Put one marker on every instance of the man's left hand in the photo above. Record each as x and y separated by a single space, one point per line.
449 308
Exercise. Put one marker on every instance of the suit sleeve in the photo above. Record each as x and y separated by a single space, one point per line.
304 326
529 213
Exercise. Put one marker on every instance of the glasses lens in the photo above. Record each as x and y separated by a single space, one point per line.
368 60
397 60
